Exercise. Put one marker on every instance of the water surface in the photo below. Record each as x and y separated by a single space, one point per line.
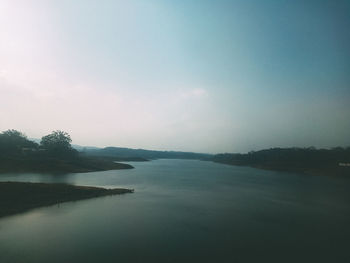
186 211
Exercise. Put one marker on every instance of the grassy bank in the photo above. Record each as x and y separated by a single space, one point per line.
301 160
16 197
307 170
45 164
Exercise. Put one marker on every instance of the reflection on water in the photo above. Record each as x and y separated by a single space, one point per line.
186 211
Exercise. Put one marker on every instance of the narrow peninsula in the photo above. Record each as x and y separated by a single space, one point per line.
54 154
17 197
43 164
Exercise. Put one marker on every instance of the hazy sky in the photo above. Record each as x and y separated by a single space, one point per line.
193 75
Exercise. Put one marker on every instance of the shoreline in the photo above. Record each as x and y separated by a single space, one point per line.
19 197
47 165
324 171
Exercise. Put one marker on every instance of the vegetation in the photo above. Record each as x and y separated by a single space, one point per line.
54 154
306 160
18 197
58 144
14 143
143 155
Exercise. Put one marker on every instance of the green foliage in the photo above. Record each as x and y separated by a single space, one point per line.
15 145
58 144
55 154
59 139
289 157
13 142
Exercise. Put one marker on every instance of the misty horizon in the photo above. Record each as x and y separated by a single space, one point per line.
80 147
229 76
174 131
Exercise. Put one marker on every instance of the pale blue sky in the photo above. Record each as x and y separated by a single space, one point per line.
207 76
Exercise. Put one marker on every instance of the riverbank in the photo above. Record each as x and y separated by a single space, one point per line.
311 161
54 165
315 171
17 197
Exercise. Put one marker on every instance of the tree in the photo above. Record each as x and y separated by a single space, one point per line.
58 144
12 142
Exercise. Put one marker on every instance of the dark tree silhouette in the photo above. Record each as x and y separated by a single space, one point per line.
13 142
294 159
58 144
55 154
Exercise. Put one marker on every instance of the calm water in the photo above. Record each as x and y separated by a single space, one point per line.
186 211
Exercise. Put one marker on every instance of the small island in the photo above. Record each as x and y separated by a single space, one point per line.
17 197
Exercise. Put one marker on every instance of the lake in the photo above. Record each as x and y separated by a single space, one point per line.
186 211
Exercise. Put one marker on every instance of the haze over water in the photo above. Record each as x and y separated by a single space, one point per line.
186 211
223 76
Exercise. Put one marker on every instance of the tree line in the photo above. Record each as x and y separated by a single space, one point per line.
296 157
57 144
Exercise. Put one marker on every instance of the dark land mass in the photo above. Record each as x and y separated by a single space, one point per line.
331 162
59 165
125 154
54 154
18 197
116 158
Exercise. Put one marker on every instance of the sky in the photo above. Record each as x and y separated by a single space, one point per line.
190 75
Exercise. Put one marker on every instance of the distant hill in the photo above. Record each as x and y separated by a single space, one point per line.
55 154
75 146
127 153
334 161
83 148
